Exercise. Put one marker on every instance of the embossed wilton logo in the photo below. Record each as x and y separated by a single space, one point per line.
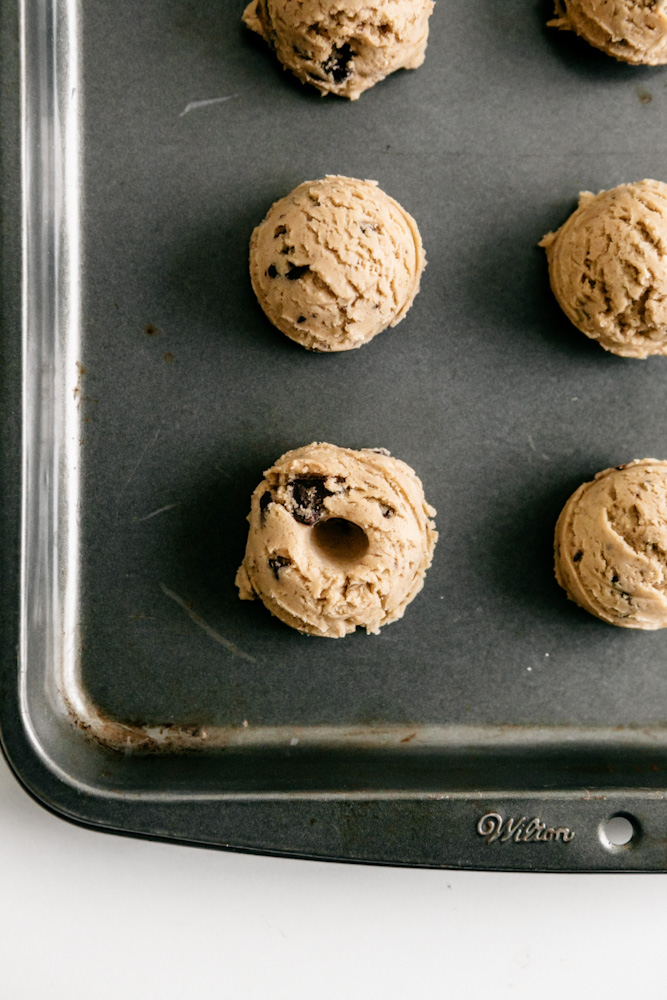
492 827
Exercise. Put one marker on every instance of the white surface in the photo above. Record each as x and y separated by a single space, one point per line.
90 915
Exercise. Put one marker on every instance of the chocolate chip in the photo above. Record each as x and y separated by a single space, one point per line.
577 556
296 272
308 496
277 564
614 578
272 272
337 65
301 319
264 502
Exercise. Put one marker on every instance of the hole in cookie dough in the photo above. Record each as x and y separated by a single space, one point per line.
340 540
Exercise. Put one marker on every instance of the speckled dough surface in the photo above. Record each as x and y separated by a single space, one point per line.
608 268
338 539
634 31
343 46
335 262
611 545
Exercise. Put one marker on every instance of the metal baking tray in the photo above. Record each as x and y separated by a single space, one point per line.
144 393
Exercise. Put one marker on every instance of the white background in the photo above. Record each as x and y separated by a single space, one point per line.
91 915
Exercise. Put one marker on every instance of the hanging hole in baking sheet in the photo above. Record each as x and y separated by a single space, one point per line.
619 832
340 540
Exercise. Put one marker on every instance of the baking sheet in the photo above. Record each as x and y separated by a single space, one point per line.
156 392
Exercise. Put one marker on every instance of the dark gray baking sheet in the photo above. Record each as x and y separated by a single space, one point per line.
155 393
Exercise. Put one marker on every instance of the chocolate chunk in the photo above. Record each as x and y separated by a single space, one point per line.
272 272
308 496
337 65
295 271
277 564
264 502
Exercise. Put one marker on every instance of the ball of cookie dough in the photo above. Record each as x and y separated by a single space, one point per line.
608 268
634 31
611 545
338 539
335 262
343 46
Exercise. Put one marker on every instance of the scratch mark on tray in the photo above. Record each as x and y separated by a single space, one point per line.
160 510
194 105
540 453
148 445
198 620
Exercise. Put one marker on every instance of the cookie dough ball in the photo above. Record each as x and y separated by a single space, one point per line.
611 545
335 262
343 46
608 268
338 539
634 31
